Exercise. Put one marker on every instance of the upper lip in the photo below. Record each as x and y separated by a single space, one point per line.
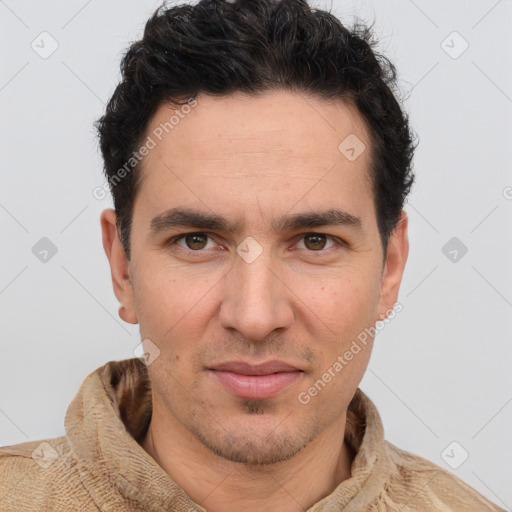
244 368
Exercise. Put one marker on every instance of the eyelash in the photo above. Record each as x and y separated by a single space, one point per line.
336 240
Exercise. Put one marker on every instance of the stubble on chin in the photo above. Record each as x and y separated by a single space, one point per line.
253 448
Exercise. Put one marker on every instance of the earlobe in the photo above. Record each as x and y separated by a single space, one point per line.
119 266
125 315
396 258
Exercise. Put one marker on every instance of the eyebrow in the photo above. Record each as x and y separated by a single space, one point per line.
186 217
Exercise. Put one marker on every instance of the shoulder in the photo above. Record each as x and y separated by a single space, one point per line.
423 485
40 475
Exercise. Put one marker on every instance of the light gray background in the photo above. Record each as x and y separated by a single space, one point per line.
440 371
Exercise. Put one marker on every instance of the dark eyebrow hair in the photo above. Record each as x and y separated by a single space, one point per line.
181 217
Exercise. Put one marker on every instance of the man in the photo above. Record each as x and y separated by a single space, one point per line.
259 163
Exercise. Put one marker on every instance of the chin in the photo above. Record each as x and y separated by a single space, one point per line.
257 441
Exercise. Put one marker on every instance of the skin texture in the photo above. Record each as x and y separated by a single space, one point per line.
302 300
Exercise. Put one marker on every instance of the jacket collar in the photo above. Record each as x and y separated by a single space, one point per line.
108 419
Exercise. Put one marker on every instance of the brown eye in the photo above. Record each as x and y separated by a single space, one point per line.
193 244
195 241
315 241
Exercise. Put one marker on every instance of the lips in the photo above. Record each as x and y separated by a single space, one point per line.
267 368
255 381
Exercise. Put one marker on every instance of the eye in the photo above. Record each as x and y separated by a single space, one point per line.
315 242
193 241
198 241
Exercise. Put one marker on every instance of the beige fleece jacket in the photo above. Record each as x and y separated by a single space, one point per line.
99 464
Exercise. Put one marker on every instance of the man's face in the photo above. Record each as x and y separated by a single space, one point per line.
219 303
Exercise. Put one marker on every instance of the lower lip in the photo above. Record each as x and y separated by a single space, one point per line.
256 386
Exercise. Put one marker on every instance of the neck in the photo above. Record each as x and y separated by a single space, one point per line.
220 485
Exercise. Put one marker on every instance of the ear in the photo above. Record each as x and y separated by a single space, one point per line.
119 266
396 257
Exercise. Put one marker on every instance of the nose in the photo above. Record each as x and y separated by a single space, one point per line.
256 300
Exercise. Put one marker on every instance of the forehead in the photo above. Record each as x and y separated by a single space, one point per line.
279 117
275 145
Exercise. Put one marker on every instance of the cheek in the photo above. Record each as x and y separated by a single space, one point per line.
340 303
164 294
173 308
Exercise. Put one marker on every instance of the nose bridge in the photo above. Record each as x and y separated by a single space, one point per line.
256 278
256 302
